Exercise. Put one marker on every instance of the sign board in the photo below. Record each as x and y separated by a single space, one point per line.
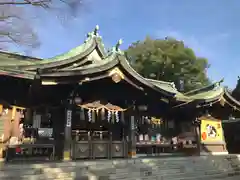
69 118
211 131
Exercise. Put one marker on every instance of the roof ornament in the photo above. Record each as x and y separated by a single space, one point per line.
92 34
95 32
220 82
173 85
116 47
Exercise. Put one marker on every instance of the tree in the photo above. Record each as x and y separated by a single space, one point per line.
168 60
236 91
14 25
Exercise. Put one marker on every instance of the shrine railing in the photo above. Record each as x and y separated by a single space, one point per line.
35 152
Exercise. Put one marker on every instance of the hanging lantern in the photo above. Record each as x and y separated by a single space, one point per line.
77 100
142 108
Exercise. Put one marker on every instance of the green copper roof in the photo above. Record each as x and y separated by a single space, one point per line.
11 59
72 53
17 73
20 66
167 86
93 41
207 93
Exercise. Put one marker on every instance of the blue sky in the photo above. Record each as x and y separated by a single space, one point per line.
211 28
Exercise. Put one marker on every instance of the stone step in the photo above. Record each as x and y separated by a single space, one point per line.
169 169
207 175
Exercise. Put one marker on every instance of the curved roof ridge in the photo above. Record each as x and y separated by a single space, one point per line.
24 57
123 61
206 88
163 82
168 86
126 65
228 94
92 37
70 53
104 61
93 41
204 96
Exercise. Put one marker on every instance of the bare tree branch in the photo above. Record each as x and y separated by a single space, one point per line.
15 27
26 2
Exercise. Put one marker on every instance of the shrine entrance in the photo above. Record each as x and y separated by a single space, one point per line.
99 130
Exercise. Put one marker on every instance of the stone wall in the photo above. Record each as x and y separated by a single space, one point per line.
171 168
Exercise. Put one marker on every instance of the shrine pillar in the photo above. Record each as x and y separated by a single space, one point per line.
68 131
132 138
198 135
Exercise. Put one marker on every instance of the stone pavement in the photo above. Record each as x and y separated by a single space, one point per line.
166 168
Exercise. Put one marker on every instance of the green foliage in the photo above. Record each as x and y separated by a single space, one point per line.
168 60
236 91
